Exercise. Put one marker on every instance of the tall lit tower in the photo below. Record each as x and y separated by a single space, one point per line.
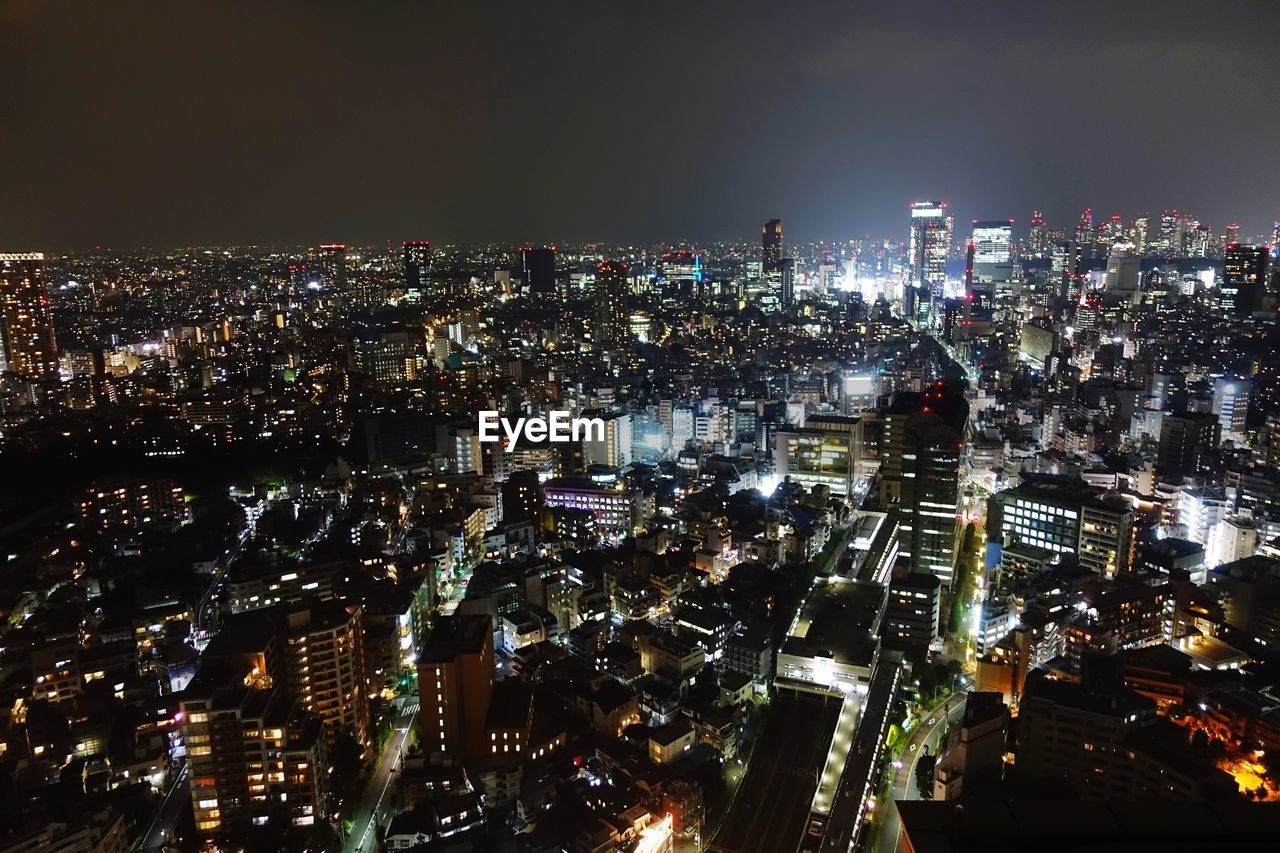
1138 233
27 344
991 280
612 321
1084 235
1037 235
993 241
928 248
1169 240
333 266
1111 232
771 244
417 268
1244 279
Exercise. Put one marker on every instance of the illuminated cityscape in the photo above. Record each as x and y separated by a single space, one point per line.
377 480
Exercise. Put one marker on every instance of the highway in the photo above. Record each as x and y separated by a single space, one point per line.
374 802
772 804
924 737
176 799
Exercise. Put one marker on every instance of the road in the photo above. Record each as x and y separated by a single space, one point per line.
370 812
208 605
924 737
772 804
175 800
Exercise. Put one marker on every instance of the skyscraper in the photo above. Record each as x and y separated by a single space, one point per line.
920 474
993 241
771 244
1188 442
1244 279
417 268
1084 229
1231 404
992 263
1037 235
27 344
927 251
254 754
455 685
786 281
1169 241
1064 270
1137 233
538 269
254 750
333 266
326 666
612 320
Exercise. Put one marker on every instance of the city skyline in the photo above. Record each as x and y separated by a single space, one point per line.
665 428
291 127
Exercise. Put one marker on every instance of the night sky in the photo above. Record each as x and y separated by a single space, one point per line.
164 124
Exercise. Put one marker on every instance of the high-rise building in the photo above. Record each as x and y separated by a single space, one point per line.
1123 273
538 269
1198 241
1084 233
993 242
254 752
1231 404
325 662
912 613
1188 442
826 451
614 447
920 449
1037 235
455 685
27 344
1110 233
927 252
784 281
1137 233
1169 241
992 263
333 266
522 497
1244 279
1064 270
254 755
1065 515
417 269
771 244
611 328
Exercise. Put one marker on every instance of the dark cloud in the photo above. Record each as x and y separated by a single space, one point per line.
132 123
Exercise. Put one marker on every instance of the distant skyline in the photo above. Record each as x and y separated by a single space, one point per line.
134 124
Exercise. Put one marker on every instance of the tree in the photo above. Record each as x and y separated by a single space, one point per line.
1199 741
924 775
